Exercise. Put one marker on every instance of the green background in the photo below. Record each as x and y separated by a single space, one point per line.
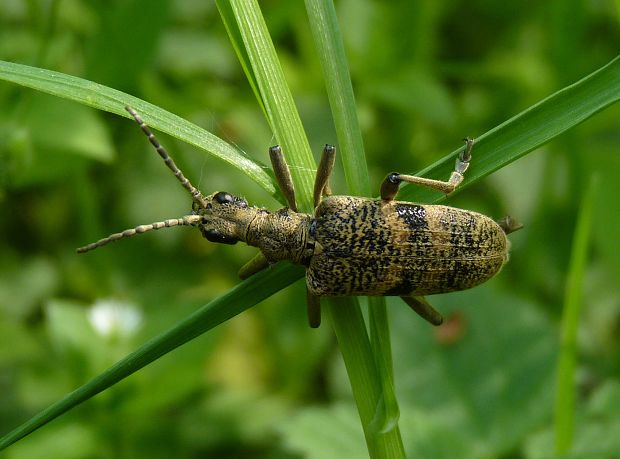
425 75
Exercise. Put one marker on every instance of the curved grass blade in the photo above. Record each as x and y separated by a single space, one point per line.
237 300
114 101
528 130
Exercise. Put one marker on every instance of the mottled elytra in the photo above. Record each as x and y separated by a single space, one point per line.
352 245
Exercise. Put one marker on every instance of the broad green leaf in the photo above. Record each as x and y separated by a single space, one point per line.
596 432
459 394
325 433
488 373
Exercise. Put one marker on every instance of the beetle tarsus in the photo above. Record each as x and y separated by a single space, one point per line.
465 155
389 188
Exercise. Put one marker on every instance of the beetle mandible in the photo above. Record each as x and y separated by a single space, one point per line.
352 245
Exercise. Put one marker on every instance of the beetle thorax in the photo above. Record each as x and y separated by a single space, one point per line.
281 235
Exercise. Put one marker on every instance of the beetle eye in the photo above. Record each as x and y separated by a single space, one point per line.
213 236
224 198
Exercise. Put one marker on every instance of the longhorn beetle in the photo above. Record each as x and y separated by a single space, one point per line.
352 245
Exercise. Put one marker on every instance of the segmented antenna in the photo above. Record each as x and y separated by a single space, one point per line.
187 220
197 196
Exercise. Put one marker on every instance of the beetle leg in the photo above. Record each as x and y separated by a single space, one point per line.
283 176
389 188
314 309
256 264
326 166
424 309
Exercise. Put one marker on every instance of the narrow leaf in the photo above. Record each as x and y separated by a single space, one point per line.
114 101
528 130
565 391
276 97
330 47
237 300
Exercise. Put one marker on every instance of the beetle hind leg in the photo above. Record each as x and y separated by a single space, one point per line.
424 309
389 188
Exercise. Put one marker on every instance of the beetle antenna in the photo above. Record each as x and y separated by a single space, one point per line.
197 196
187 220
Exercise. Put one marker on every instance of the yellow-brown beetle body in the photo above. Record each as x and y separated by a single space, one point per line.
371 247
352 245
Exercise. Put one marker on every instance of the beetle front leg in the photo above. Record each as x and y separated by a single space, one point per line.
256 264
424 309
283 176
314 309
324 171
389 188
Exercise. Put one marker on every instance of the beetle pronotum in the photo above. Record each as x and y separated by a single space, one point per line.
352 245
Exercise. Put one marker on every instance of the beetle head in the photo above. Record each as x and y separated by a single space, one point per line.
221 217
224 217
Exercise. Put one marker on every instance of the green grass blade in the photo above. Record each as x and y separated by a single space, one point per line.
275 95
529 129
234 34
330 47
114 101
387 420
237 300
565 390
365 380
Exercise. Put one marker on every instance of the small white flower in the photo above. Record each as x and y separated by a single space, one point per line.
114 318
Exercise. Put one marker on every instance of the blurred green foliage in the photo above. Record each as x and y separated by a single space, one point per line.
426 74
